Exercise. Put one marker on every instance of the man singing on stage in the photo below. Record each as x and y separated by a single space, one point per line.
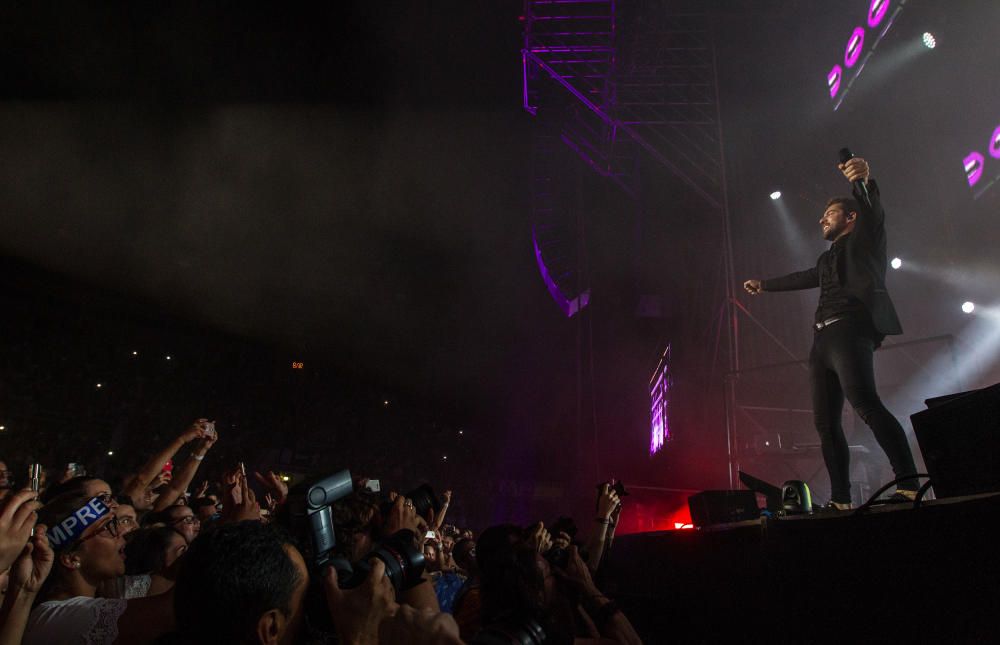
853 317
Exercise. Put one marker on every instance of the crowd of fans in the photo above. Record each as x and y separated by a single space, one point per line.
165 554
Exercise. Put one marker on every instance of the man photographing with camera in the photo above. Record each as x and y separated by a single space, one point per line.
853 317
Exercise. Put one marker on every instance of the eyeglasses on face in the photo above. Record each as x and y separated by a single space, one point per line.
111 527
106 498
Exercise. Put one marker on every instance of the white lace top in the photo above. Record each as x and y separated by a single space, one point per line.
80 620
126 587
137 586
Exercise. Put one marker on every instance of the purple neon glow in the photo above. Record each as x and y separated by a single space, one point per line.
833 79
524 86
659 399
854 46
974 168
878 16
569 307
995 144
877 11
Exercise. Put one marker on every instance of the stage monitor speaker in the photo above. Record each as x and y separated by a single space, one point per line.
959 436
722 507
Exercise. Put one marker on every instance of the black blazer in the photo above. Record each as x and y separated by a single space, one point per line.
865 263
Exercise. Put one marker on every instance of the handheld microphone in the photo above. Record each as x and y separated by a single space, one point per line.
859 185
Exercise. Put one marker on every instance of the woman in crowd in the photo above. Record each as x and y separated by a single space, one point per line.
89 550
83 486
432 556
152 556
180 518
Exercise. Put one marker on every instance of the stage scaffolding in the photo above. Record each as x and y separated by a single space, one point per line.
621 84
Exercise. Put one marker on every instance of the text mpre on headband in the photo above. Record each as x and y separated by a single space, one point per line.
72 527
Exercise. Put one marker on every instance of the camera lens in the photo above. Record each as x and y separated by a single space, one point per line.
404 563
557 557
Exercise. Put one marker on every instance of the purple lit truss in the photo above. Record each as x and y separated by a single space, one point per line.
616 107
659 404
569 304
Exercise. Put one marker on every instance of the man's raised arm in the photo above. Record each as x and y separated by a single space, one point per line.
873 215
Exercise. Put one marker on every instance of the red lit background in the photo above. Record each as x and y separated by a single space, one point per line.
654 509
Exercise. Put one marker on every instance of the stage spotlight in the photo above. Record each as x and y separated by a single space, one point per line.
929 41
168 358
99 386
896 263
111 453
776 195
968 307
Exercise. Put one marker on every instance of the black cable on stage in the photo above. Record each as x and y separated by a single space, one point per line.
871 500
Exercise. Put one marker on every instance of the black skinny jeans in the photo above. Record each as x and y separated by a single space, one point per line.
841 364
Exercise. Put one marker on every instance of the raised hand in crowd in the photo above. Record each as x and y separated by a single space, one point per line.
608 508
240 502
230 479
426 526
607 501
436 524
154 466
604 612
16 521
562 540
273 483
539 539
183 477
32 567
27 574
358 613
402 515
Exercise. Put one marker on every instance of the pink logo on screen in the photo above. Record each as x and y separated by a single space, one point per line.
833 79
854 46
876 12
974 162
973 168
